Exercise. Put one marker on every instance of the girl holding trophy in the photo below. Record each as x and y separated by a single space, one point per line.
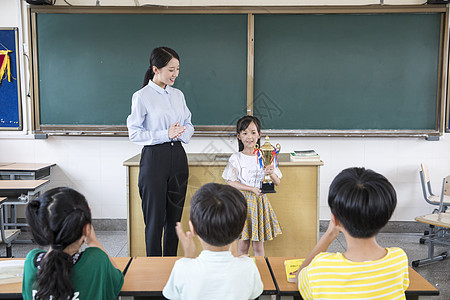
245 171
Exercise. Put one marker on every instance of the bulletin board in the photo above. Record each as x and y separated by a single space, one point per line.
10 101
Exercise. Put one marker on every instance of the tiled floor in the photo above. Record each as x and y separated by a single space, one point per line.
115 242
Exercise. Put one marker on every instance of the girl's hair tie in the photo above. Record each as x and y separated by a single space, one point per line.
58 246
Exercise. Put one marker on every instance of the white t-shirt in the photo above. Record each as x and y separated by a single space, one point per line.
246 170
214 275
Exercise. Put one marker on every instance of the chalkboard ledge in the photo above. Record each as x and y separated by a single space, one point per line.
227 131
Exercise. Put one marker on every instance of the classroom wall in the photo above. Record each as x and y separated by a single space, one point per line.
93 165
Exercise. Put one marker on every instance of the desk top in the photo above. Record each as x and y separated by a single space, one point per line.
221 159
20 186
142 279
147 276
266 277
417 284
121 262
441 219
2 199
14 290
25 166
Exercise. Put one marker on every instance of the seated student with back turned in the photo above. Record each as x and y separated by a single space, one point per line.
361 202
218 213
61 218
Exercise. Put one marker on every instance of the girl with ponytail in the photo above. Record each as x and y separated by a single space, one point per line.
160 121
61 218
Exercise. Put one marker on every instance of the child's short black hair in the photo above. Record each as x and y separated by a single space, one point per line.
362 200
218 213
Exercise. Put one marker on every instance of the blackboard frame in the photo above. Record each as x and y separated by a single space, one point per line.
250 11
15 102
447 109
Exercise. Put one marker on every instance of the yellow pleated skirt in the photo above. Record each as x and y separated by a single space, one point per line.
261 224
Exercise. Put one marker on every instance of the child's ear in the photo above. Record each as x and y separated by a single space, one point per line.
336 221
86 229
191 228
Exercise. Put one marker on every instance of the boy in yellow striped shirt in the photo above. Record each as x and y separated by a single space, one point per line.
361 202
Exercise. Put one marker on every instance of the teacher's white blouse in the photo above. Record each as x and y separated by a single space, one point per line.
153 111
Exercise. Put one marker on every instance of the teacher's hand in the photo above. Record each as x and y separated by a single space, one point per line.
175 130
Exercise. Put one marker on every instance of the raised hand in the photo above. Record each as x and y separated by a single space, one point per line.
187 241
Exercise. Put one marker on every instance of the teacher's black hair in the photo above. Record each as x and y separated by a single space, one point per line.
159 58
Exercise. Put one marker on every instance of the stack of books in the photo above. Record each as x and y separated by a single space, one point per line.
304 156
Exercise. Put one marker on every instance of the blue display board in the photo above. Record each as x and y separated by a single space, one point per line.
10 106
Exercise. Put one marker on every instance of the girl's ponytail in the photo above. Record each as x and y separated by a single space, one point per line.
55 277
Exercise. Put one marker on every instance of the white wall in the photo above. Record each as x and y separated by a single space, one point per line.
94 165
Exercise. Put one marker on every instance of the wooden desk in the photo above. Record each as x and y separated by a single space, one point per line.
13 189
266 276
31 171
7 236
295 203
418 286
122 262
440 219
438 235
14 290
147 276
11 290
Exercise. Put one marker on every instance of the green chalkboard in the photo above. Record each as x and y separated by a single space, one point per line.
322 71
89 65
348 71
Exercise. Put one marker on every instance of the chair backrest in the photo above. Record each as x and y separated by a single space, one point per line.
425 181
426 175
426 184
445 192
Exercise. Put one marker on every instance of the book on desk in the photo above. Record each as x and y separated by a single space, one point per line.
304 156
292 266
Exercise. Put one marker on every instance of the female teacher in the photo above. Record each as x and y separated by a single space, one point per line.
160 121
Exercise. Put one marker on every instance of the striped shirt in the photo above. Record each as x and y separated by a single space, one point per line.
332 276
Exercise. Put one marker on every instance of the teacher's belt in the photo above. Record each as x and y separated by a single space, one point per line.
167 144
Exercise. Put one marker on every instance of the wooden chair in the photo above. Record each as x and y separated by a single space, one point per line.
439 222
426 189
430 197
7 236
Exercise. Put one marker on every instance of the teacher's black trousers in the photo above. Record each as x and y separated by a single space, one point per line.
163 176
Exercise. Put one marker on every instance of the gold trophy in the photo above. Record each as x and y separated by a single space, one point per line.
266 155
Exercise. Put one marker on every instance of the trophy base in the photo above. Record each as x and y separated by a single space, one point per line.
268 188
